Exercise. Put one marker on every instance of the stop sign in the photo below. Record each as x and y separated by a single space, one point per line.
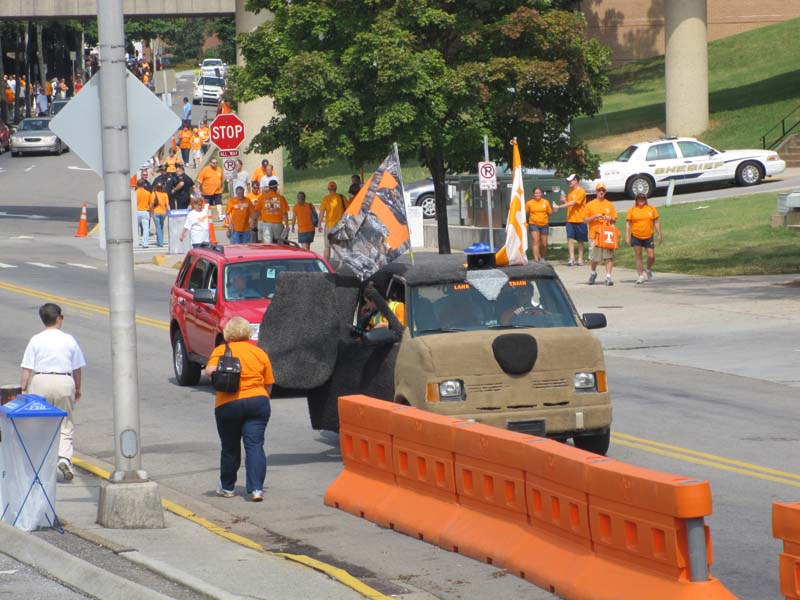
227 131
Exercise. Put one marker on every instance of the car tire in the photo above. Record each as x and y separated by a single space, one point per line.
640 184
322 409
428 204
597 443
186 371
749 173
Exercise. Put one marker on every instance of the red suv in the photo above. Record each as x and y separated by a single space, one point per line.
217 283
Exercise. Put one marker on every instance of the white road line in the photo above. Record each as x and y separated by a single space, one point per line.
79 265
42 265
29 168
80 168
5 266
22 237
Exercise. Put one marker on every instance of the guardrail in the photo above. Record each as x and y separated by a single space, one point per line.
572 522
784 130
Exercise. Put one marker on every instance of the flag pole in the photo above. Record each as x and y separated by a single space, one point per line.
402 187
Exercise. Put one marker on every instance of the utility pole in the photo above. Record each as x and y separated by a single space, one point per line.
130 500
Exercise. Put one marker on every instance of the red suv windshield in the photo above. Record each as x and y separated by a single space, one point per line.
255 279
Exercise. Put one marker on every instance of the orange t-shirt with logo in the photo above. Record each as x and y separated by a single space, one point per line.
538 211
239 213
143 199
577 212
271 207
210 180
642 219
256 371
599 207
302 213
204 134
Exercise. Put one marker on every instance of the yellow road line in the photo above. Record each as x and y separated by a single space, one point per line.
713 457
709 463
80 305
336 573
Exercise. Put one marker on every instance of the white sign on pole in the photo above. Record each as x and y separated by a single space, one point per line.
229 167
416 228
487 175
150 124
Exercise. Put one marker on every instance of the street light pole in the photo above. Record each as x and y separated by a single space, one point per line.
130 501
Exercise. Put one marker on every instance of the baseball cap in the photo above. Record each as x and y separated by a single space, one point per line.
273 183
572 177
600 186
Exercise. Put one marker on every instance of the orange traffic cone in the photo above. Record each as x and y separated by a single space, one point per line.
83 225
212 237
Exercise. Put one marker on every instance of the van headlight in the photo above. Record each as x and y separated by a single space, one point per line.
585 382
254 329
450 390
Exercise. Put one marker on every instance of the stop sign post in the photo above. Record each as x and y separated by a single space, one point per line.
227 131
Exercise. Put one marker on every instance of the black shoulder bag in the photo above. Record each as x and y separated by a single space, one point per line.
229 370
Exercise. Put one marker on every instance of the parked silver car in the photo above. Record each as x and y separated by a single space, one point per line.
34 135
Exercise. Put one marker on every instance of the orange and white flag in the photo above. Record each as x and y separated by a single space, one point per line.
516 247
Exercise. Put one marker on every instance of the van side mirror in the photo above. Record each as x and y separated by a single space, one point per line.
594 320
380 336
205 296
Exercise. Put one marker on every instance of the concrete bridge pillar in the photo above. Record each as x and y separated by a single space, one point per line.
686 66
259 112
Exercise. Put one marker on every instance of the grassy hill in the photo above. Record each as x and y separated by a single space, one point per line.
754 81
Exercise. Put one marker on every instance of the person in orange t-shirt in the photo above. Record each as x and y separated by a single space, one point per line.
205 135
599 212
159 204
242 416
143 197
538 210
302 217
238 216
272 214
576 213
640 223
185 142
210 180
172 161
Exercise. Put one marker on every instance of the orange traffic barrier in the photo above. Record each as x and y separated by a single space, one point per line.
83 224
212 237
424 502
367 456
575 523
786 527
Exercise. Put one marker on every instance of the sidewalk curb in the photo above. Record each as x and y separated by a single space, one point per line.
72 571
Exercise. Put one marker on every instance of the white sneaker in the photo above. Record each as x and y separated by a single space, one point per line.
649 274
223 492
66 469
592 277
256 496
609 281
570 263
640 280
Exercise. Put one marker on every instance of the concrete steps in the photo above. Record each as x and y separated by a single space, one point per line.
790 150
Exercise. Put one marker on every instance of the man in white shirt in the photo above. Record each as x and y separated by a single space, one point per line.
196 224
268 177
51 367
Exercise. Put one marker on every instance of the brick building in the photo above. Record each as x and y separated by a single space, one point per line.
634 29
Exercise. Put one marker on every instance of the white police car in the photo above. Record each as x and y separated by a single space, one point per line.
645 166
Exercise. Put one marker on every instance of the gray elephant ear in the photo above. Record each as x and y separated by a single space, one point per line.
302 326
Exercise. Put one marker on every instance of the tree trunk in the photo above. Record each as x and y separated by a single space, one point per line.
40 53
436 165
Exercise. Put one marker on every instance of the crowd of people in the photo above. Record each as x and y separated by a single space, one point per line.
593 221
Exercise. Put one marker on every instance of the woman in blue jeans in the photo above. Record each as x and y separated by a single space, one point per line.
242 416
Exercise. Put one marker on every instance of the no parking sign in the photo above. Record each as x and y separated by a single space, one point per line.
229 166
487 175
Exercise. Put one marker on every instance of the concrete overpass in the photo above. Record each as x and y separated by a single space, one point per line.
76 9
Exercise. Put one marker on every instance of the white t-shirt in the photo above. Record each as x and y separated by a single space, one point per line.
53 351
265 181
197 225
240 179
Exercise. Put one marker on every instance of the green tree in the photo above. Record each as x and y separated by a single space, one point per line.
350 77
225 29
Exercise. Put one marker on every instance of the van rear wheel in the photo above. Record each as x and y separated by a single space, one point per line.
597 443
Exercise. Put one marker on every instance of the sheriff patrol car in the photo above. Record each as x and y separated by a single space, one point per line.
643 167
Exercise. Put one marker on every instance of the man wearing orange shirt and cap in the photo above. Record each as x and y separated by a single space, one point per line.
330 211
272 215
238 216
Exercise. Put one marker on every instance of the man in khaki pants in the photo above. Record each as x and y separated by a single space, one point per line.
51 367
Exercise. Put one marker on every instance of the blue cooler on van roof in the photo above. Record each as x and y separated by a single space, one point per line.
29 433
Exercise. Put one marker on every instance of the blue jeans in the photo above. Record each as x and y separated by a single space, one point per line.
245 421
240 237
144 223
159 221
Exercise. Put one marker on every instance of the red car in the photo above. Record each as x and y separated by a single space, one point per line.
5 137
217 283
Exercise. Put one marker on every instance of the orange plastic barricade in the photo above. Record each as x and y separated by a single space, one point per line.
425 502
368 475
786 527
490 481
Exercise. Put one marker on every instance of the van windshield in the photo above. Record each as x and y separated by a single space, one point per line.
521 303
